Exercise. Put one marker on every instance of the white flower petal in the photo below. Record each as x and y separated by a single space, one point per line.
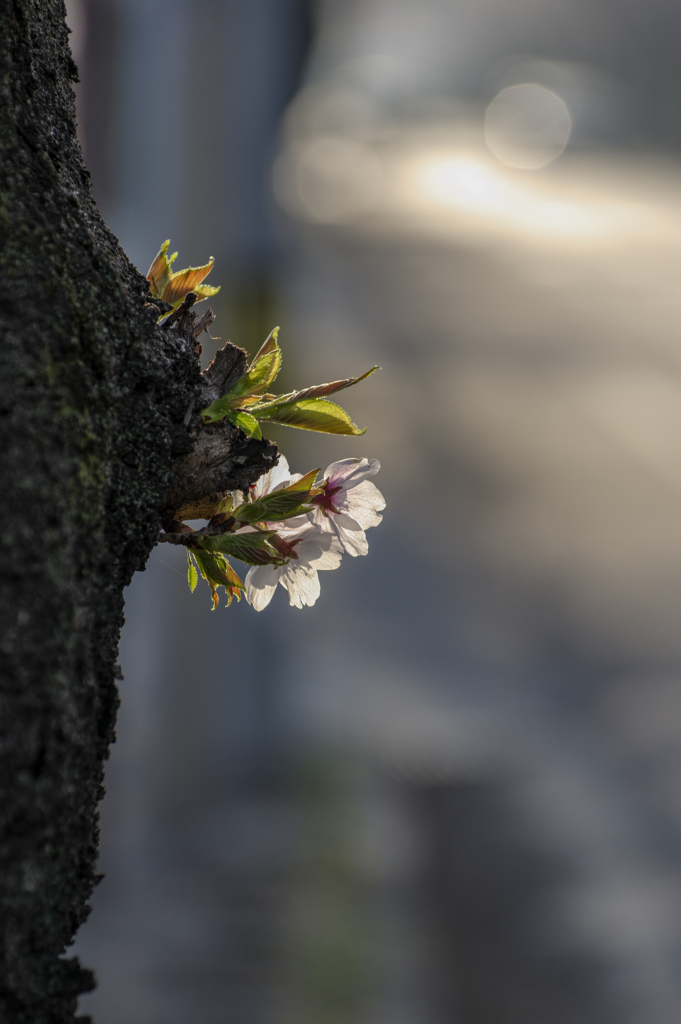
302 583
328 559
261 582
290 527
358 502
331 554
362 504
345 528
275 478
350 472
352 538
319 550
319 520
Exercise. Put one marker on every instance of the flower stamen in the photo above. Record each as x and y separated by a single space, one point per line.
323 500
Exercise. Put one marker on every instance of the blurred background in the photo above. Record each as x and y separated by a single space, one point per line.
450 793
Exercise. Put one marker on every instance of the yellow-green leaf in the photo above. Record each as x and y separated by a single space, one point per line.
192 575
305 484
247 423
253 385
262 372
251 548
285 503
226 505
248 390
217 571
204 291
309 414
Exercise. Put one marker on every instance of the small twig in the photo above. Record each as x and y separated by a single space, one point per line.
203 323
185 539
184 307
185 536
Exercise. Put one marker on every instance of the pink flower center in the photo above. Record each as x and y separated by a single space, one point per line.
324 501
286 548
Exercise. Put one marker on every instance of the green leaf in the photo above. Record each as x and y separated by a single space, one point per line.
222 407
214 567
249 389
217 572
309 414
286 503
276 510
192 575
257 381
260 375
303 485
217 410
247 423
204 291
226 505
251 548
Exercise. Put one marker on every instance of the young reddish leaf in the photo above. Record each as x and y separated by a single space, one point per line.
185 281
322 390
269 346
159 272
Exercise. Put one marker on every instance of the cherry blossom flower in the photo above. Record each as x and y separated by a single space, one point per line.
276 478
308 550
349 504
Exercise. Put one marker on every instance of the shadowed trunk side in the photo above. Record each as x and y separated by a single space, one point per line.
95 403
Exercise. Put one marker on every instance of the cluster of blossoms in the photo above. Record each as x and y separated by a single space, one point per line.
347 504
287 527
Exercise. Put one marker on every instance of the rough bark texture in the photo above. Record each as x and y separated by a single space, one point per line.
96 404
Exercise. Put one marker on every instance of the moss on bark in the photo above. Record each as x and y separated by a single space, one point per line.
93 402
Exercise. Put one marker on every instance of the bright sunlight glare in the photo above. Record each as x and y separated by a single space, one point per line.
482 191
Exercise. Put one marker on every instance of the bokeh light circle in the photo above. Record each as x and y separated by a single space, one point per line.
527 126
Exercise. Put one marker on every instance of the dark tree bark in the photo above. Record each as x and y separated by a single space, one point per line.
100 442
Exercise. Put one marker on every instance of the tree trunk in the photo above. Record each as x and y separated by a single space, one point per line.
98 416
